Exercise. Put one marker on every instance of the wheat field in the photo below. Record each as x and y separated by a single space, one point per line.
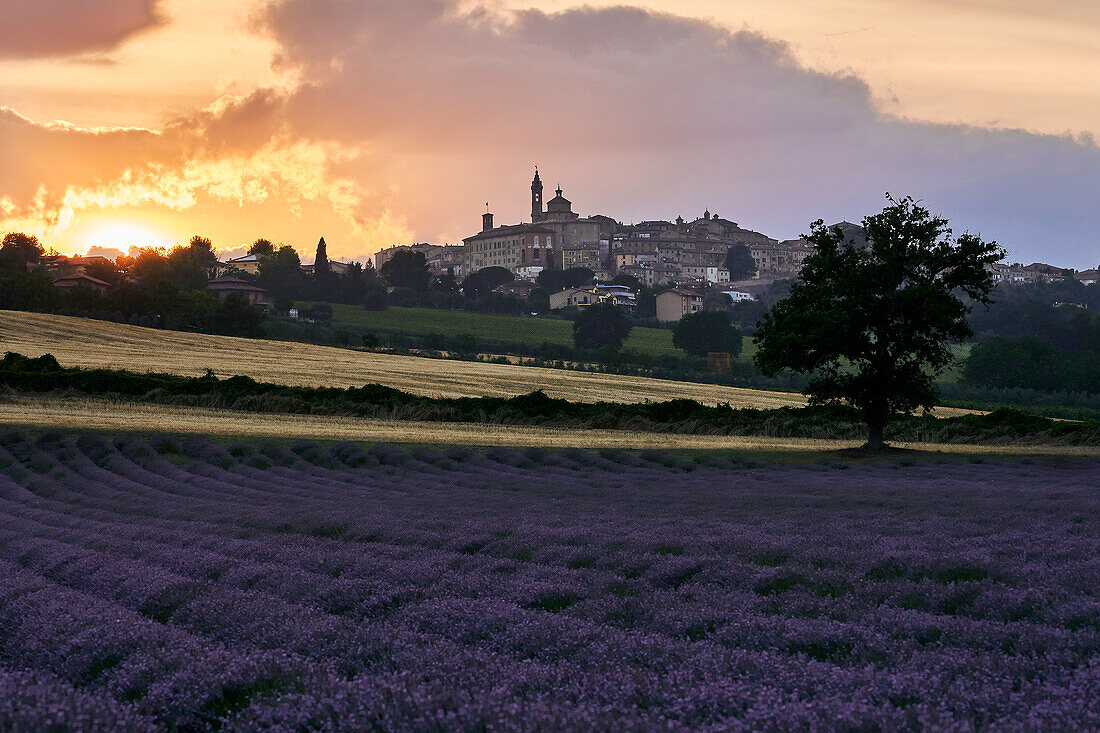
91 414
80 342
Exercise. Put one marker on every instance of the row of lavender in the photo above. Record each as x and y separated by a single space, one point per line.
182 585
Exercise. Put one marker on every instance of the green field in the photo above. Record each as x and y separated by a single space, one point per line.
528 330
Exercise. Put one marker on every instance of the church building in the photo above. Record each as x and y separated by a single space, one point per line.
525 249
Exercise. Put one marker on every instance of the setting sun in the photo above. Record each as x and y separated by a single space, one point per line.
124 235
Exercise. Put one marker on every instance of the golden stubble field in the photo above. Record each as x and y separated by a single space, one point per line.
80 342
99 415
83 342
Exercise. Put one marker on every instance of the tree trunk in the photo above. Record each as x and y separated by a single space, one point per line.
875 427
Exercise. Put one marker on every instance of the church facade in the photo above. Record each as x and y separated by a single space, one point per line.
527 248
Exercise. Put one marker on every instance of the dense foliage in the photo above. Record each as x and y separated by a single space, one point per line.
172 584
601 324
572 277
406 269
739 262
1040 336
871 324
705 331
1059 312
1030 362
165 290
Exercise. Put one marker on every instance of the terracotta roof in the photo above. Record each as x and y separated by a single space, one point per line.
77 279
233 283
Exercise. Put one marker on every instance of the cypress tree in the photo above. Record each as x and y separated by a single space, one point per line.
321 267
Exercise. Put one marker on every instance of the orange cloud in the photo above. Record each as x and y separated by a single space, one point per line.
37 28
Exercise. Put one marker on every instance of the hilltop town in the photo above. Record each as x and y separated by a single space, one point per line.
657 253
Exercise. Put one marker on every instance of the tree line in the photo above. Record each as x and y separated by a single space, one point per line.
163 290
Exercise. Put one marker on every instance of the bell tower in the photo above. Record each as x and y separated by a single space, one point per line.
536 197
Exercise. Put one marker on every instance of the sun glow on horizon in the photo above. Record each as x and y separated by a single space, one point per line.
122 235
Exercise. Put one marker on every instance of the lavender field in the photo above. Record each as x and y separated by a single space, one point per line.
180 585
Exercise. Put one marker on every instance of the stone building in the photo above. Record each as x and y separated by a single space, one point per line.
571 229
672 305
512 247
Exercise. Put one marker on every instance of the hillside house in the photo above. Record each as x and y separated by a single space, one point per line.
672 305
336 267
247 263
618 295
737 296
71 281
575 297
221 287
60 266
519 288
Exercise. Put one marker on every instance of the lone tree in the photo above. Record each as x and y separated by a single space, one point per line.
740 263
600 324
702 332
870 324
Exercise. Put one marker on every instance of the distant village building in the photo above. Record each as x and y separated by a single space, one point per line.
737 296
1087 277
672 305
519 288
575 297
581 255
71 281
511 247
618 295
656 252
441 259
571 229
336 267
1017 274
582 297
61 266
247 263
221 287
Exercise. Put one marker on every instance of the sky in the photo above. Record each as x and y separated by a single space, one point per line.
372 122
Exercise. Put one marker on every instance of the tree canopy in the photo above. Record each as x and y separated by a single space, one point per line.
18 250
600 324
262 248
281 273
557 280
739 262
496 276
702 332
406 269
870 324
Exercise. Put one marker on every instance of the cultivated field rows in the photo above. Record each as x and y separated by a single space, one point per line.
80 342
158 584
